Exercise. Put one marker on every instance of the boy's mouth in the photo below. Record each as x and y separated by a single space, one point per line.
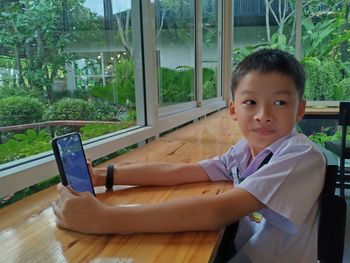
263 131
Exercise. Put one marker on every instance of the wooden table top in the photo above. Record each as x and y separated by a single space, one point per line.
322 110
28 232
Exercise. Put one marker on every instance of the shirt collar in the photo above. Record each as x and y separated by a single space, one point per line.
241 153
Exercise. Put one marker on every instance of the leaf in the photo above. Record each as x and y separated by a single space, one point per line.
21 137
31 134
308 25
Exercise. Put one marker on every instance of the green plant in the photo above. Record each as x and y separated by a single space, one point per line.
131 116
71 109
209 83
94 130
322 79
319 138
343 90
26 24
278 41
8 89
124 82
24 145
105 111
122 89
103 93
16 110
176 85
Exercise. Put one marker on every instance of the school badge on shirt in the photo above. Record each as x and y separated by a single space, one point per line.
256 217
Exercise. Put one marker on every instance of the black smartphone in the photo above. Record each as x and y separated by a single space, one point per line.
71 162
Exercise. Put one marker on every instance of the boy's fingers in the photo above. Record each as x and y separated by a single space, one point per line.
60 223
65 191
56 207
73 192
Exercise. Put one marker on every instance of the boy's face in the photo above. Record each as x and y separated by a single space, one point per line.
266 107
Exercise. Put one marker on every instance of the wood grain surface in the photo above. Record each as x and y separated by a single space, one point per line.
28 232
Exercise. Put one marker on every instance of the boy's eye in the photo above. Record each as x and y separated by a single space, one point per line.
280 102
249 102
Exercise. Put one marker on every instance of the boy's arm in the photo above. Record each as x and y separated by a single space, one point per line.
84 213
160 174
188 214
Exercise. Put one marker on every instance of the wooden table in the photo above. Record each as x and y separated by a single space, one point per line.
28 231
322 113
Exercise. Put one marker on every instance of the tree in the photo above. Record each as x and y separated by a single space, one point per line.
286 10
34 31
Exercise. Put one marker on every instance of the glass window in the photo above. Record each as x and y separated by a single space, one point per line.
325 50
257 25
210 49
175 33
325 56
64 67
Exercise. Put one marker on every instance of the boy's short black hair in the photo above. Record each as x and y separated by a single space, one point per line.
268 61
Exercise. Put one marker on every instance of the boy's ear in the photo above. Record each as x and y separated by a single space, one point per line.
301 110
232 112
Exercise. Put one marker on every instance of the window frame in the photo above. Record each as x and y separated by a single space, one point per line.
152 120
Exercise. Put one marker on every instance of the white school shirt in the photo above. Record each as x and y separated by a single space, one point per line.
289 185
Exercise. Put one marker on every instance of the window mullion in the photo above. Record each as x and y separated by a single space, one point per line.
198 52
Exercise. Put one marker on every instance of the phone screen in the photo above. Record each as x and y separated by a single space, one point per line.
74 164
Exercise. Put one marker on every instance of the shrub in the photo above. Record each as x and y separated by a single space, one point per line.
209 83
124 81
105 111
11 89
94 130
344 90
322 79
76 94
71 109
16 110
176 85
122 89
24 145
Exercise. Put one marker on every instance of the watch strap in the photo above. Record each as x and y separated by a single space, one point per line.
110 176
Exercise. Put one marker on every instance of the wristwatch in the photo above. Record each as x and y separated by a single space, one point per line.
110 177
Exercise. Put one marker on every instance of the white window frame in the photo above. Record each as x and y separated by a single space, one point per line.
151 121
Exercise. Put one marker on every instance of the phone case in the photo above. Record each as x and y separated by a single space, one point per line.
59 162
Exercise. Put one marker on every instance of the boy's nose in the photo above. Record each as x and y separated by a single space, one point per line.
263 115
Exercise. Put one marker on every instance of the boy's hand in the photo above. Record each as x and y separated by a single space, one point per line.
98 175
93 175
77 211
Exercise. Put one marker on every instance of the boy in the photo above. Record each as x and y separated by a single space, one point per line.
278 175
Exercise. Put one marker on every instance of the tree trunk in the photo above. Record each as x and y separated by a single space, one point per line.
122 35
40 50
30 60
18 64
267 20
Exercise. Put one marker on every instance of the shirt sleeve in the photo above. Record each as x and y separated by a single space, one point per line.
289 185
218 168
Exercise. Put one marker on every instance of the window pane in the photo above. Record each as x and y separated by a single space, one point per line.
63 68
210 51
256 26
325 49
175 32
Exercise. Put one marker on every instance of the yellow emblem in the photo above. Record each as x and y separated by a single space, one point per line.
256 217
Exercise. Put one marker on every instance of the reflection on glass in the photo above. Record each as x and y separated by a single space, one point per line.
175 51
